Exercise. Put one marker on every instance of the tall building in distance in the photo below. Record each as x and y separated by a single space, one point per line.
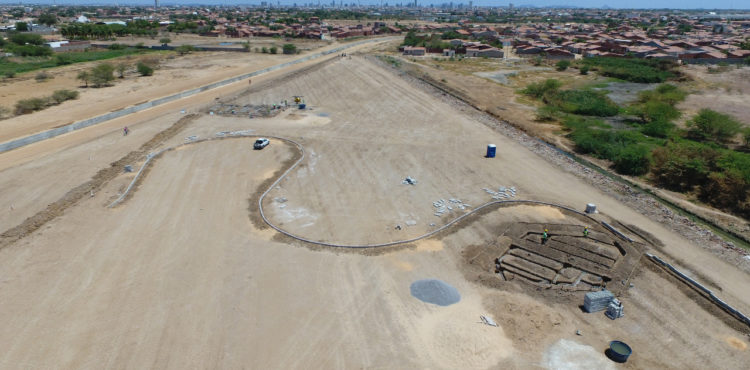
156 4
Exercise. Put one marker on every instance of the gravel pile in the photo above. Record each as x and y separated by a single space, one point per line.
435 291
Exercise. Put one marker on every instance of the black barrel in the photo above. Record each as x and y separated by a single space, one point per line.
618 351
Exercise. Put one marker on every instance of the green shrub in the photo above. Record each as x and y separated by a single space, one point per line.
273 49
540 89
586 102
116 46
547 113
10 74
562 65
4 112
101 75
26 106
289 49
633 160
63 59
42 76
746 136
26 38
683 165
185 49
144 69
584 70
710 125
30 50
60 96
655 110
264 50
634 70
658 129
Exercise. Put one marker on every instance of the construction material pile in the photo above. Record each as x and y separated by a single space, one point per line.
502 192
444 206
597 301
249 110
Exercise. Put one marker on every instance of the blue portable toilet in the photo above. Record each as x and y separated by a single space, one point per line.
491 149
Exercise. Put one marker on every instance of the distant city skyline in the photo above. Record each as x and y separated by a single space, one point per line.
631 4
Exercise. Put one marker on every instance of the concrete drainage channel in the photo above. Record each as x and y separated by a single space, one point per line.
31 139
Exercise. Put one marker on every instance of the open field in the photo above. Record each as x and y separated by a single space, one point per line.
174 74
183 274
727 92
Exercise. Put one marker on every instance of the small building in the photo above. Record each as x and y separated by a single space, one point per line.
484 53
449 53
415 51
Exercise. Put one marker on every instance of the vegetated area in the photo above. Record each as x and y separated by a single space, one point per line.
30 53
708 159
631 69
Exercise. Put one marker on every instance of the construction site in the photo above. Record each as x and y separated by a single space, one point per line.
375 230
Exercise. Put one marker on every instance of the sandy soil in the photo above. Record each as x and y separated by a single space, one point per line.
178 276
726 92
174 74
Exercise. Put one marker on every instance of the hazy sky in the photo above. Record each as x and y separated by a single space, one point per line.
642 4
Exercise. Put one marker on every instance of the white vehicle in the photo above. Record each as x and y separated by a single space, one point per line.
260 143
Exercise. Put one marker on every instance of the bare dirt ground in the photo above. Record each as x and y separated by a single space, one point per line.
727 92
179 276
459 79
174 74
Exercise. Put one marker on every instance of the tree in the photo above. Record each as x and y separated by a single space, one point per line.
584 70
289 49
101 75
273 49
563 65
144 69
246 46
48 19
165 40
121 68
746 136
633 160
84 76
22 26
713 126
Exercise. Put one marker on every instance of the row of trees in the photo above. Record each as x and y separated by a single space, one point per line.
105 31
103 74
25 44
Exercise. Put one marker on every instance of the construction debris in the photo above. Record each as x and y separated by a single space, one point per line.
614 309
488 321
249 110
128 168
597 301
445 206
502 192
409 181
